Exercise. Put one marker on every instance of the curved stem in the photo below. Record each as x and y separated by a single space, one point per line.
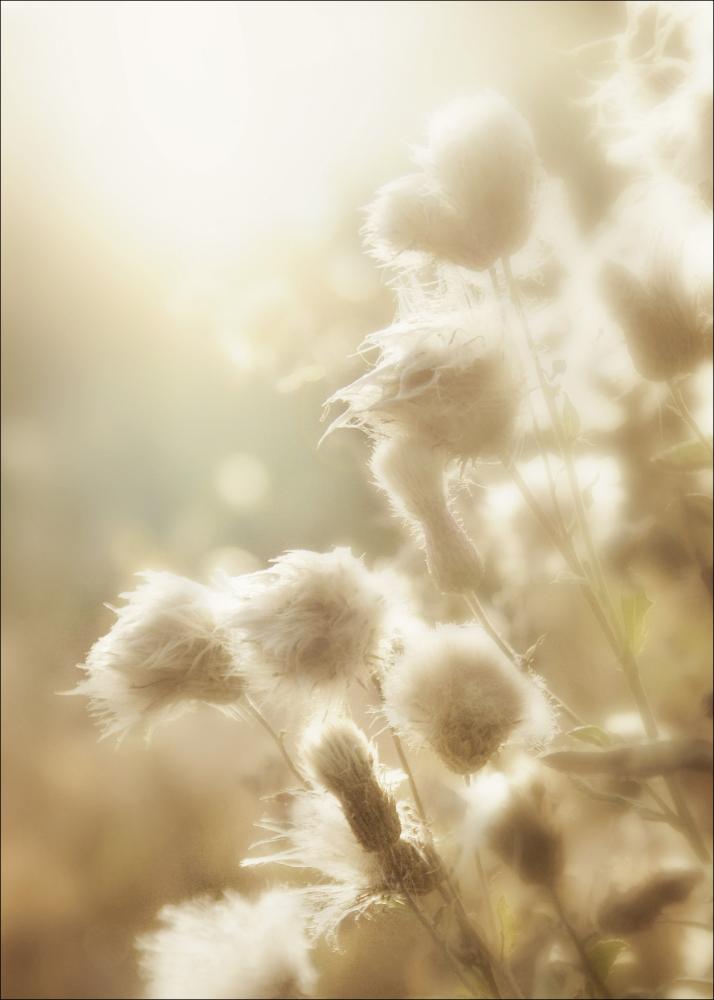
255 712
438 940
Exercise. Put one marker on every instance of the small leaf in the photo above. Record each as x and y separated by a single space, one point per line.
570 418
634 614
688 455
508 924
591 734
604 953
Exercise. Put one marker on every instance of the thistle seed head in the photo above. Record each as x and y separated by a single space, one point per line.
455 691
170 648
312 621
229 949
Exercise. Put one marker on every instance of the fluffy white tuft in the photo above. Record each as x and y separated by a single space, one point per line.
313 620
230 949
455 691
170 648
446 380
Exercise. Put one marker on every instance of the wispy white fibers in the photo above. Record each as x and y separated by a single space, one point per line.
473 200
230 949
170 648
657 277
456 692
350 828
446 379
655 109
312 621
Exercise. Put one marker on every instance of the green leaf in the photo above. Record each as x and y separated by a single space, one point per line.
570 418
508 924
634 618
688 455
592 734
603 955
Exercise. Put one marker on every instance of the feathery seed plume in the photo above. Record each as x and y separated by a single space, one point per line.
171 647
456 692
312 621
230 949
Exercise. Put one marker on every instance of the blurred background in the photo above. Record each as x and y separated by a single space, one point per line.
183 286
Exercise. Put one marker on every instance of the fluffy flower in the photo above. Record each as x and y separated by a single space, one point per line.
456 692
511 815
170 648
481 152
654 110
445 380
367 846
472 202
663 298
312 621
230 948
625 912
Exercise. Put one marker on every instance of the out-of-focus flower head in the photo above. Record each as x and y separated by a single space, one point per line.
510 813
454 691
657 278
447 380
473 200
170 648
636 908
654 110
230 949
312 621
350 827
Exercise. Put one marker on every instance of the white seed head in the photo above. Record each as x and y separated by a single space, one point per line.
230 949
413 476
456 692
446 380
313 620
170 648
480 152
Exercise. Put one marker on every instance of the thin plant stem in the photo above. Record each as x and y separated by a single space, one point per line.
591 973
684 412
597 592
438 940
277 739
621 800
479 613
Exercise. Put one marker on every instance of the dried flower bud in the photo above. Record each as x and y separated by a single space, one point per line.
480 152
446 380
313 620
526 840
412 475
170 647
230 949
661 298
455 691
635 909
343 762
